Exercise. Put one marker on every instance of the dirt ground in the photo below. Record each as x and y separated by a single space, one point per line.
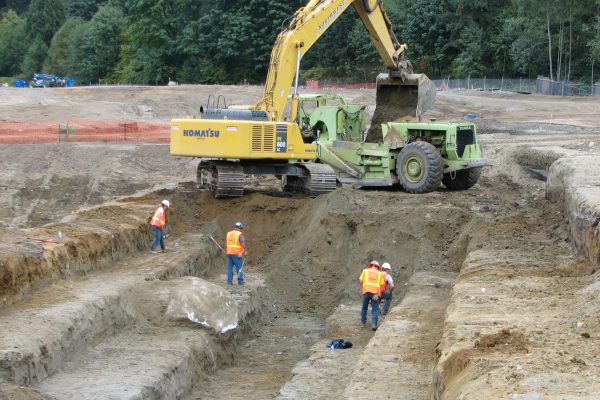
468 264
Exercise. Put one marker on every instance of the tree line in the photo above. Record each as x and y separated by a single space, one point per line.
230 41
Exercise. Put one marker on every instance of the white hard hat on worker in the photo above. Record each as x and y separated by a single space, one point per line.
386 266
165 203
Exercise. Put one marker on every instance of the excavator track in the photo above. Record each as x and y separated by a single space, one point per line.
224 179
320 179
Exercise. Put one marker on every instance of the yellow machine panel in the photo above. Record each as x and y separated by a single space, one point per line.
235 139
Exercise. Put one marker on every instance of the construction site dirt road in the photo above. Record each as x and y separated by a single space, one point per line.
498 286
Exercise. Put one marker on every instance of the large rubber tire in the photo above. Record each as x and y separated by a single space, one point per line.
463 179
420 167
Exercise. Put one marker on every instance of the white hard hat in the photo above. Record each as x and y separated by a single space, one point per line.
386 266
165 203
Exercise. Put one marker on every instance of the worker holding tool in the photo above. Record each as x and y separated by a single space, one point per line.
157 223
387 288
217 244
236 248
372 280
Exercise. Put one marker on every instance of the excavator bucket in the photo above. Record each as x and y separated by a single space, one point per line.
400 99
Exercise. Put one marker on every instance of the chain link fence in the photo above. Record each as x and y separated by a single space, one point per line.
541 85
479 84
563 88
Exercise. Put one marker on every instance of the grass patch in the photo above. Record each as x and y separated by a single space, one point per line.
6 79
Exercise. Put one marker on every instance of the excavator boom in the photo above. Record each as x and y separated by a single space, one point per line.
409 93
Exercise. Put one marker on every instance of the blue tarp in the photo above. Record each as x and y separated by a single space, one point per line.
20 83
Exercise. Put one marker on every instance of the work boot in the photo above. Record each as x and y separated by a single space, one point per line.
374 327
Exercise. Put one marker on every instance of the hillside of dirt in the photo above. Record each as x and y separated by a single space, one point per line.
497 286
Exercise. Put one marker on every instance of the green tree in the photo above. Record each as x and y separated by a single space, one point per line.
527 45
13 45
94 51
426 29
362 61
34 58
19 6
44 18
594 43
329 57
60 48
84 9
469 60
474 25
243 41
154 43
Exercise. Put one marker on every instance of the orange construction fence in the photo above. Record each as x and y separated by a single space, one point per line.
117 131
311 84
22 132
370 85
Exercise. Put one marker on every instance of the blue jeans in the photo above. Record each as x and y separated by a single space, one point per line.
387 296
368 297
158 238
239 264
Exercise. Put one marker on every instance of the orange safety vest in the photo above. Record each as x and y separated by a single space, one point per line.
159 219
384 286
234 246
371 281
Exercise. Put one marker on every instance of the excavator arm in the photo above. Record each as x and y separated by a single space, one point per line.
307 26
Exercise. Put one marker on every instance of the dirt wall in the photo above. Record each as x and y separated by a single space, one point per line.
520 320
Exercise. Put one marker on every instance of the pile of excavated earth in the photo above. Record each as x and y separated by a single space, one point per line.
498 289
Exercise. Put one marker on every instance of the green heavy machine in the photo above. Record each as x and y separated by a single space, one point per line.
416 155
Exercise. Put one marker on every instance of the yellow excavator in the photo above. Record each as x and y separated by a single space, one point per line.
236 141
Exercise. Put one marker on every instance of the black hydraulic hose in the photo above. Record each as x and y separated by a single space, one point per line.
367 7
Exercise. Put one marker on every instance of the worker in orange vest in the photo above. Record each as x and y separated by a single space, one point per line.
387 288
157 223
372 280
236 248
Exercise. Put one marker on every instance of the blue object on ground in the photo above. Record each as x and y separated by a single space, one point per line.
471 116
20 83
339 344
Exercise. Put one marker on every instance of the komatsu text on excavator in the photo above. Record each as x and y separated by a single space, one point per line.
235 141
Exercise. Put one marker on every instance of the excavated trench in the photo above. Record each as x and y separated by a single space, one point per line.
86 317
310 253
89 298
